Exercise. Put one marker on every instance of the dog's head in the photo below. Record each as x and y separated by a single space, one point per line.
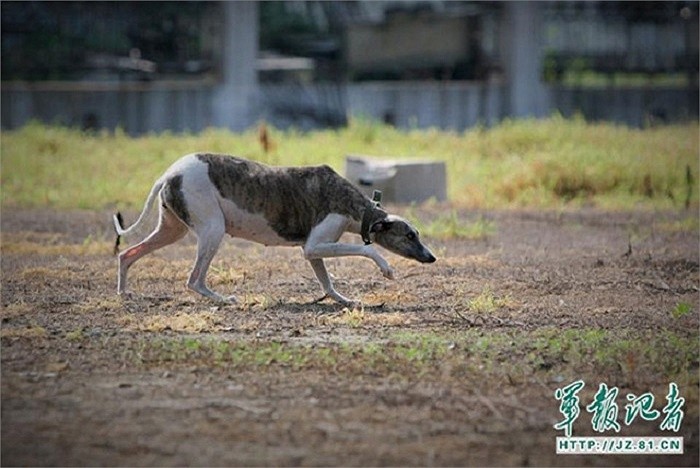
397 235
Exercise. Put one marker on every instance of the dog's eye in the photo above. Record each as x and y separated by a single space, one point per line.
411 236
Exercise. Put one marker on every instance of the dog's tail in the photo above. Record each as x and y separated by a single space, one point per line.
118 223
148 207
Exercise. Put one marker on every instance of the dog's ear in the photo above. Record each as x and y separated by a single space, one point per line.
380 226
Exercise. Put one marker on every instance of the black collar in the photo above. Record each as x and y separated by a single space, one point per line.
368 219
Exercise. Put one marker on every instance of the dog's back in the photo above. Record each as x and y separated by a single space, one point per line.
292 200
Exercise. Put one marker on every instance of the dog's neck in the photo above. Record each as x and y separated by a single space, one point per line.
356 207
372 215
362 220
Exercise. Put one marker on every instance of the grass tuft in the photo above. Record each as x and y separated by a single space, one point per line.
487 303
681 310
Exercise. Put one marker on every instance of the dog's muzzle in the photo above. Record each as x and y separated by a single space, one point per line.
426 257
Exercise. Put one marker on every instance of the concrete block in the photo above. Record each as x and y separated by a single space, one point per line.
400 180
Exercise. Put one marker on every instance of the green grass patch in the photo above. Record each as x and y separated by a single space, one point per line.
688 224
535 163
451 226
620 357
681 310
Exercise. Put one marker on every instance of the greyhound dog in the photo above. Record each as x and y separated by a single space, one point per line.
311 207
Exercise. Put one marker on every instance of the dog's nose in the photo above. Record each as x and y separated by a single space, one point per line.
430 258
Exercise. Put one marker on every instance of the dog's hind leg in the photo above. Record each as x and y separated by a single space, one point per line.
322 274
208 239
170 229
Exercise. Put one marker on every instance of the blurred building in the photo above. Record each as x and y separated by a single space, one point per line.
141 66
184 66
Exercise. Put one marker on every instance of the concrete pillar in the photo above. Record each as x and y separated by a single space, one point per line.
234 103
17 107
523 55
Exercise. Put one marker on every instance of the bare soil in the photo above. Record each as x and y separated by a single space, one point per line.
89 378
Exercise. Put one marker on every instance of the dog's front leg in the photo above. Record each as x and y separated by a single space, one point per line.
323 243
322 274
332 249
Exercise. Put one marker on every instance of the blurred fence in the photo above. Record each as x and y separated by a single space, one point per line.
446 105
636 107
135 107
186 106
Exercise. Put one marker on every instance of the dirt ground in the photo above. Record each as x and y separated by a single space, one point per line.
443 366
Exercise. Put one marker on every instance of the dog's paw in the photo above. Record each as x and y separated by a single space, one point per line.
128 295
344 301
384 267
388 272
219 299
230 299
351 304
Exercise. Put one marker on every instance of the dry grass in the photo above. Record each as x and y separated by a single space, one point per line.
21 245
15 309
391 294
358 317
487 302
185 322
99 304
41 273
30 331
154 268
